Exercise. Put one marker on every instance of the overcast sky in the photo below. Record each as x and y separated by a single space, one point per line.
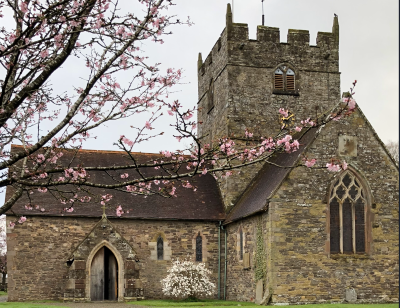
369 46
369 41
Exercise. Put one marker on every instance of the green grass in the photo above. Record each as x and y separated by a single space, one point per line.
28 305
220 303
2 293
191 304
350 306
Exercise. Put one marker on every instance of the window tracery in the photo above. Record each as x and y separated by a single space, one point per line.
347 212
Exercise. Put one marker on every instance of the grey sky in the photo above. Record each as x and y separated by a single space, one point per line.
369 41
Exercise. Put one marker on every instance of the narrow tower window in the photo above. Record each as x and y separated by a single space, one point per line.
160 249
347 209
199 248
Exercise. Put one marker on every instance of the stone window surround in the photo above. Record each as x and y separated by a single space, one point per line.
240 229
203 248
296 81
153 248
368 216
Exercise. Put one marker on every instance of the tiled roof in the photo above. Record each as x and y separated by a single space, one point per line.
203 204
267 181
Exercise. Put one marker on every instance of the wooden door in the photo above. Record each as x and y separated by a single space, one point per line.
112 284
97 276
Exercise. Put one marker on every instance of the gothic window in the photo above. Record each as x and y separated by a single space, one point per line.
347 215
199 248
284 80
210 96
241 244
160 249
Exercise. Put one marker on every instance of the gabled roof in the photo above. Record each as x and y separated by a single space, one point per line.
267 181
203 204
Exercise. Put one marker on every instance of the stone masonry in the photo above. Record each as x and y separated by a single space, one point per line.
38 251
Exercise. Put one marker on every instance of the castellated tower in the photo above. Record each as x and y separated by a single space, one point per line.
242 84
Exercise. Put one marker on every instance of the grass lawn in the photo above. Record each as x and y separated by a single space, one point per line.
28 305
3 293
220 303
184 303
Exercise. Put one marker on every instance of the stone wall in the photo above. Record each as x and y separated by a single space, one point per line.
39 248
244 97
302 269
241 280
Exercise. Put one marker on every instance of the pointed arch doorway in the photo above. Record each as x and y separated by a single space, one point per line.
104 276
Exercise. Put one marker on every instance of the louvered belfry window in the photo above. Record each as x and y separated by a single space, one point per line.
347 209
284 79
199 248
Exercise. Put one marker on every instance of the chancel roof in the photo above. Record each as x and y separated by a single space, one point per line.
203 204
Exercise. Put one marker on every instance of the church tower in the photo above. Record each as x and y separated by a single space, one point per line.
242 84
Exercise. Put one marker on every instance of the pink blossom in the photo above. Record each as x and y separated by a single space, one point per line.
172 192
12 225
310 163
351 104
70 210
166 153
156 182
298 129
283 112
124 176
344 165
119 211
332 167
148 125
42 189
44 53
40 158
24 7
204 171
170 113
22 219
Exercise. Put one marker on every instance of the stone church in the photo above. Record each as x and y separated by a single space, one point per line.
269 234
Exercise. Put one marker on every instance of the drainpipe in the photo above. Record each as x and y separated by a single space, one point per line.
226 263
219 259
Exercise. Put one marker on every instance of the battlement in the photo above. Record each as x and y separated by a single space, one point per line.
236 35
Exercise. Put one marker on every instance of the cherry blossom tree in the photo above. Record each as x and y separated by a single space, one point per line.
47 123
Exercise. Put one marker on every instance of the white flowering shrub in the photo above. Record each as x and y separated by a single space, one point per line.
186 279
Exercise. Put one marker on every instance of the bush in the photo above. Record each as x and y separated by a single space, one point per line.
186 279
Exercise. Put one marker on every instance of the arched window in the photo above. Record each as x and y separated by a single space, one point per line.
348 211
160 248
199 248
241 244
284 79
